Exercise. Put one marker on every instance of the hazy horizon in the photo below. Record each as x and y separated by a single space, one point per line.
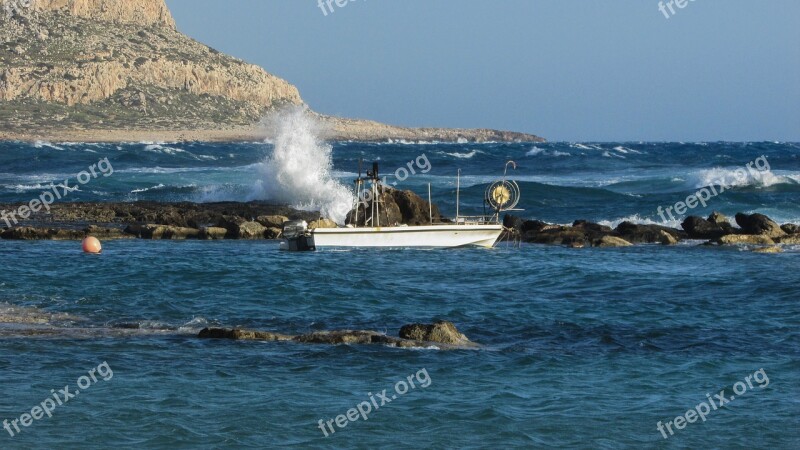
567 71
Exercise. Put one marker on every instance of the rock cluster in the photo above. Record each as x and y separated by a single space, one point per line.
152 220
754 230
398 208
417 335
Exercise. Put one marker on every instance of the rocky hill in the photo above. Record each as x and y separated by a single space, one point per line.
115 70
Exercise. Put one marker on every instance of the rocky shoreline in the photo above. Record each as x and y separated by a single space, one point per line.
261 220
755 230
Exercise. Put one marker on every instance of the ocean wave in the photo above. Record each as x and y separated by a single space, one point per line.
139 191
608 154
740 177
535 151
158 148
463 155
639 220
22 188
46 144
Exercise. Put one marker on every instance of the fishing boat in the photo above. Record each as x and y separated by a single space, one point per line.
367 231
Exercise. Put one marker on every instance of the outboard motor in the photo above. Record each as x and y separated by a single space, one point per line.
298 237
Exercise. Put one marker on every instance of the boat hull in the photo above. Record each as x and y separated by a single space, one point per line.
435 236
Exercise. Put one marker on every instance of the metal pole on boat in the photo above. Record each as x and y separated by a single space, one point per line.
458 193
430 203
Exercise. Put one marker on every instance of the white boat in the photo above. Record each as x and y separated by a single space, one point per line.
427 236
483 232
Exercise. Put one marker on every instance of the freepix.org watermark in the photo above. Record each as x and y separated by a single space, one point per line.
717 187
403 173
668 7
327 6
58 398
365 408
704 409
13 8
56 192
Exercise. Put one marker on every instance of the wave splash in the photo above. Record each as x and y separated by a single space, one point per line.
299 171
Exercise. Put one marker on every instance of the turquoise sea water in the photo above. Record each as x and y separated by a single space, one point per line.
585 348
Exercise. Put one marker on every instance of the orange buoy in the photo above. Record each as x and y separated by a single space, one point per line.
92 245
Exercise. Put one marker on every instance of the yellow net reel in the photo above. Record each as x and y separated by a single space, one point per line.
503 195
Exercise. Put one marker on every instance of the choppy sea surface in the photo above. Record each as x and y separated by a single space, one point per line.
588 348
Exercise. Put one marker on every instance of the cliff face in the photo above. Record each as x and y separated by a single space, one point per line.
122 64
137 12
113 69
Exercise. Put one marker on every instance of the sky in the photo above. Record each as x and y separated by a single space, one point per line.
567 70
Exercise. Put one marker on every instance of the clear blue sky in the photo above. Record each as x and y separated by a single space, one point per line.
571 70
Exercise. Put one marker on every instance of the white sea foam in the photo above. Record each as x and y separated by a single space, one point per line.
639 220
45 144
153 188
463 155
740 177
300 169
535 151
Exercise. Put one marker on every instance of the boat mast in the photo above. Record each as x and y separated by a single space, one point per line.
458 193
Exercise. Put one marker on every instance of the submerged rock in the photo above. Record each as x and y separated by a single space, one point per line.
759 224
610 242
768 250
416 335
244 335
441 332
745 239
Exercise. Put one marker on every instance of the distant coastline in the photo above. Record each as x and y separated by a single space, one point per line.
364 131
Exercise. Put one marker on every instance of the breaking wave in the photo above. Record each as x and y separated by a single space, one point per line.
299 171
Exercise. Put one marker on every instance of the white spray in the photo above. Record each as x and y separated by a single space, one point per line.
299 171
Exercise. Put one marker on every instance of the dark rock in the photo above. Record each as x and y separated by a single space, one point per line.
513 222
646 234
441 332
759 224
718 218
397 207
345 337
556 235
699 228
791 228
413 209
41 234
533 225
155 231
242 335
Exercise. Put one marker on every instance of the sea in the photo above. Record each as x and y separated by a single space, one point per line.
686 346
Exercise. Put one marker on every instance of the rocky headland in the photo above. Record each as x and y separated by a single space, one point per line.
119 70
